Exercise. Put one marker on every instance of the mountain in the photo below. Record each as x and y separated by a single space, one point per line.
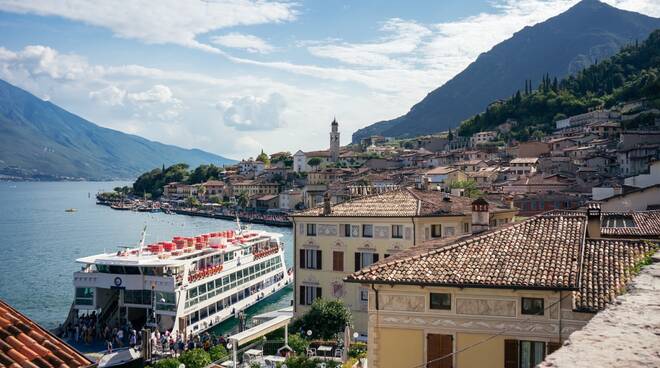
560 46
632 74
40 139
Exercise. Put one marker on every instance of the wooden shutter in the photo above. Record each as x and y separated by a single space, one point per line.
357 261
302 295
302 258
319 260
337 261
438 346
511 354
319 295
553 346
375 257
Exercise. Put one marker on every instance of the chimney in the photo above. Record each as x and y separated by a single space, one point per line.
480 216
327 207
593 220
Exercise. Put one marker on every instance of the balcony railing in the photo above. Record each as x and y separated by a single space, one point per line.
201 274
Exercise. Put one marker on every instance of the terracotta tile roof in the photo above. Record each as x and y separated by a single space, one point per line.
539 253
646 224
25 344
404 202
606 269
546 251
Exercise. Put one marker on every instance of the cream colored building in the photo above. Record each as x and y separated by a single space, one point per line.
335 241
504 298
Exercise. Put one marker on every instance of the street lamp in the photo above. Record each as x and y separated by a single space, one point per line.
309 333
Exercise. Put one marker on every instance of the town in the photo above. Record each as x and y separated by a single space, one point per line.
509 219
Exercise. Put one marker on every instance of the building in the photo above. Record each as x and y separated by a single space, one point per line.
334 141
524 165
333 241
254 187
484 137
636 160
177 190
537 184
441 178
289 199
251 167
24 343
647 198
533 149
503 298
214 188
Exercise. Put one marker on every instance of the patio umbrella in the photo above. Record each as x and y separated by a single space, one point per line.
347 343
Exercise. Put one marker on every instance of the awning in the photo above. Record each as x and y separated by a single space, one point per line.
260 330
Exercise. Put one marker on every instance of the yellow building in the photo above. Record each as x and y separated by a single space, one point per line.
337 240
254 187
503 298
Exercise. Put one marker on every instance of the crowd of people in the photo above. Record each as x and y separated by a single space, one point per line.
86 329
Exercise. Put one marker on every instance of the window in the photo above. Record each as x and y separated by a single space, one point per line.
618 221
311 229
397 231
533 306
449 231
345 230
84 296
436 231
338 261
367 231
310 259
531 353
365 259
466 227
364 295
440 301
308 294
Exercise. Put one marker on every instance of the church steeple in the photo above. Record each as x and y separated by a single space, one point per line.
334 140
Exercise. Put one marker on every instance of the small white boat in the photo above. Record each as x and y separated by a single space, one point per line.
128 358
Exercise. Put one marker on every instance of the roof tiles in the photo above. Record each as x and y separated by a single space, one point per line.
25 344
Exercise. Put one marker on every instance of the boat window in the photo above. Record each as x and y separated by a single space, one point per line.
210 286
201 289
116 269
233 276
203 313
103 268
148 271
142 297
192 293
218 283
84 296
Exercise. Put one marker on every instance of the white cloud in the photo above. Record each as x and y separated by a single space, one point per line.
405 38
110 96
164 21
157 94
253 113
247 42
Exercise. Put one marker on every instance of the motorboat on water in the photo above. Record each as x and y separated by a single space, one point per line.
123 358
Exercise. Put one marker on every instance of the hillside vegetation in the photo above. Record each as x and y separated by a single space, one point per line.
632 74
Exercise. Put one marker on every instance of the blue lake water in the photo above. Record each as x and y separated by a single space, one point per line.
41 242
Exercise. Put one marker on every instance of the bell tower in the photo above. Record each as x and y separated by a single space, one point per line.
334 141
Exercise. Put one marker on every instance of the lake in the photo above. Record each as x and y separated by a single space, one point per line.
42 241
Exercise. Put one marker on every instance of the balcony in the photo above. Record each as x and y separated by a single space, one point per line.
202 274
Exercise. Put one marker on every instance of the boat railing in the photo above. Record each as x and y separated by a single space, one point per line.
265 253
204 273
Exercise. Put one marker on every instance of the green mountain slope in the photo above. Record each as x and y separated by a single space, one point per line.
632 74
560 46
38 138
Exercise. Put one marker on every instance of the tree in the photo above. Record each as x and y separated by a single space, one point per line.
167 363
298 344
263 158
192 202
325 318
218 352
243 199
314 162
469 186
196 358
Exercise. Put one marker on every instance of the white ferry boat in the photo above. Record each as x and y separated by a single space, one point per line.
186 285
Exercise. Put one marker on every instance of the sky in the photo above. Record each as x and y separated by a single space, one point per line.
235 77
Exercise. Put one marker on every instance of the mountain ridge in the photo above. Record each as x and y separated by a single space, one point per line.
588 31
40 139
